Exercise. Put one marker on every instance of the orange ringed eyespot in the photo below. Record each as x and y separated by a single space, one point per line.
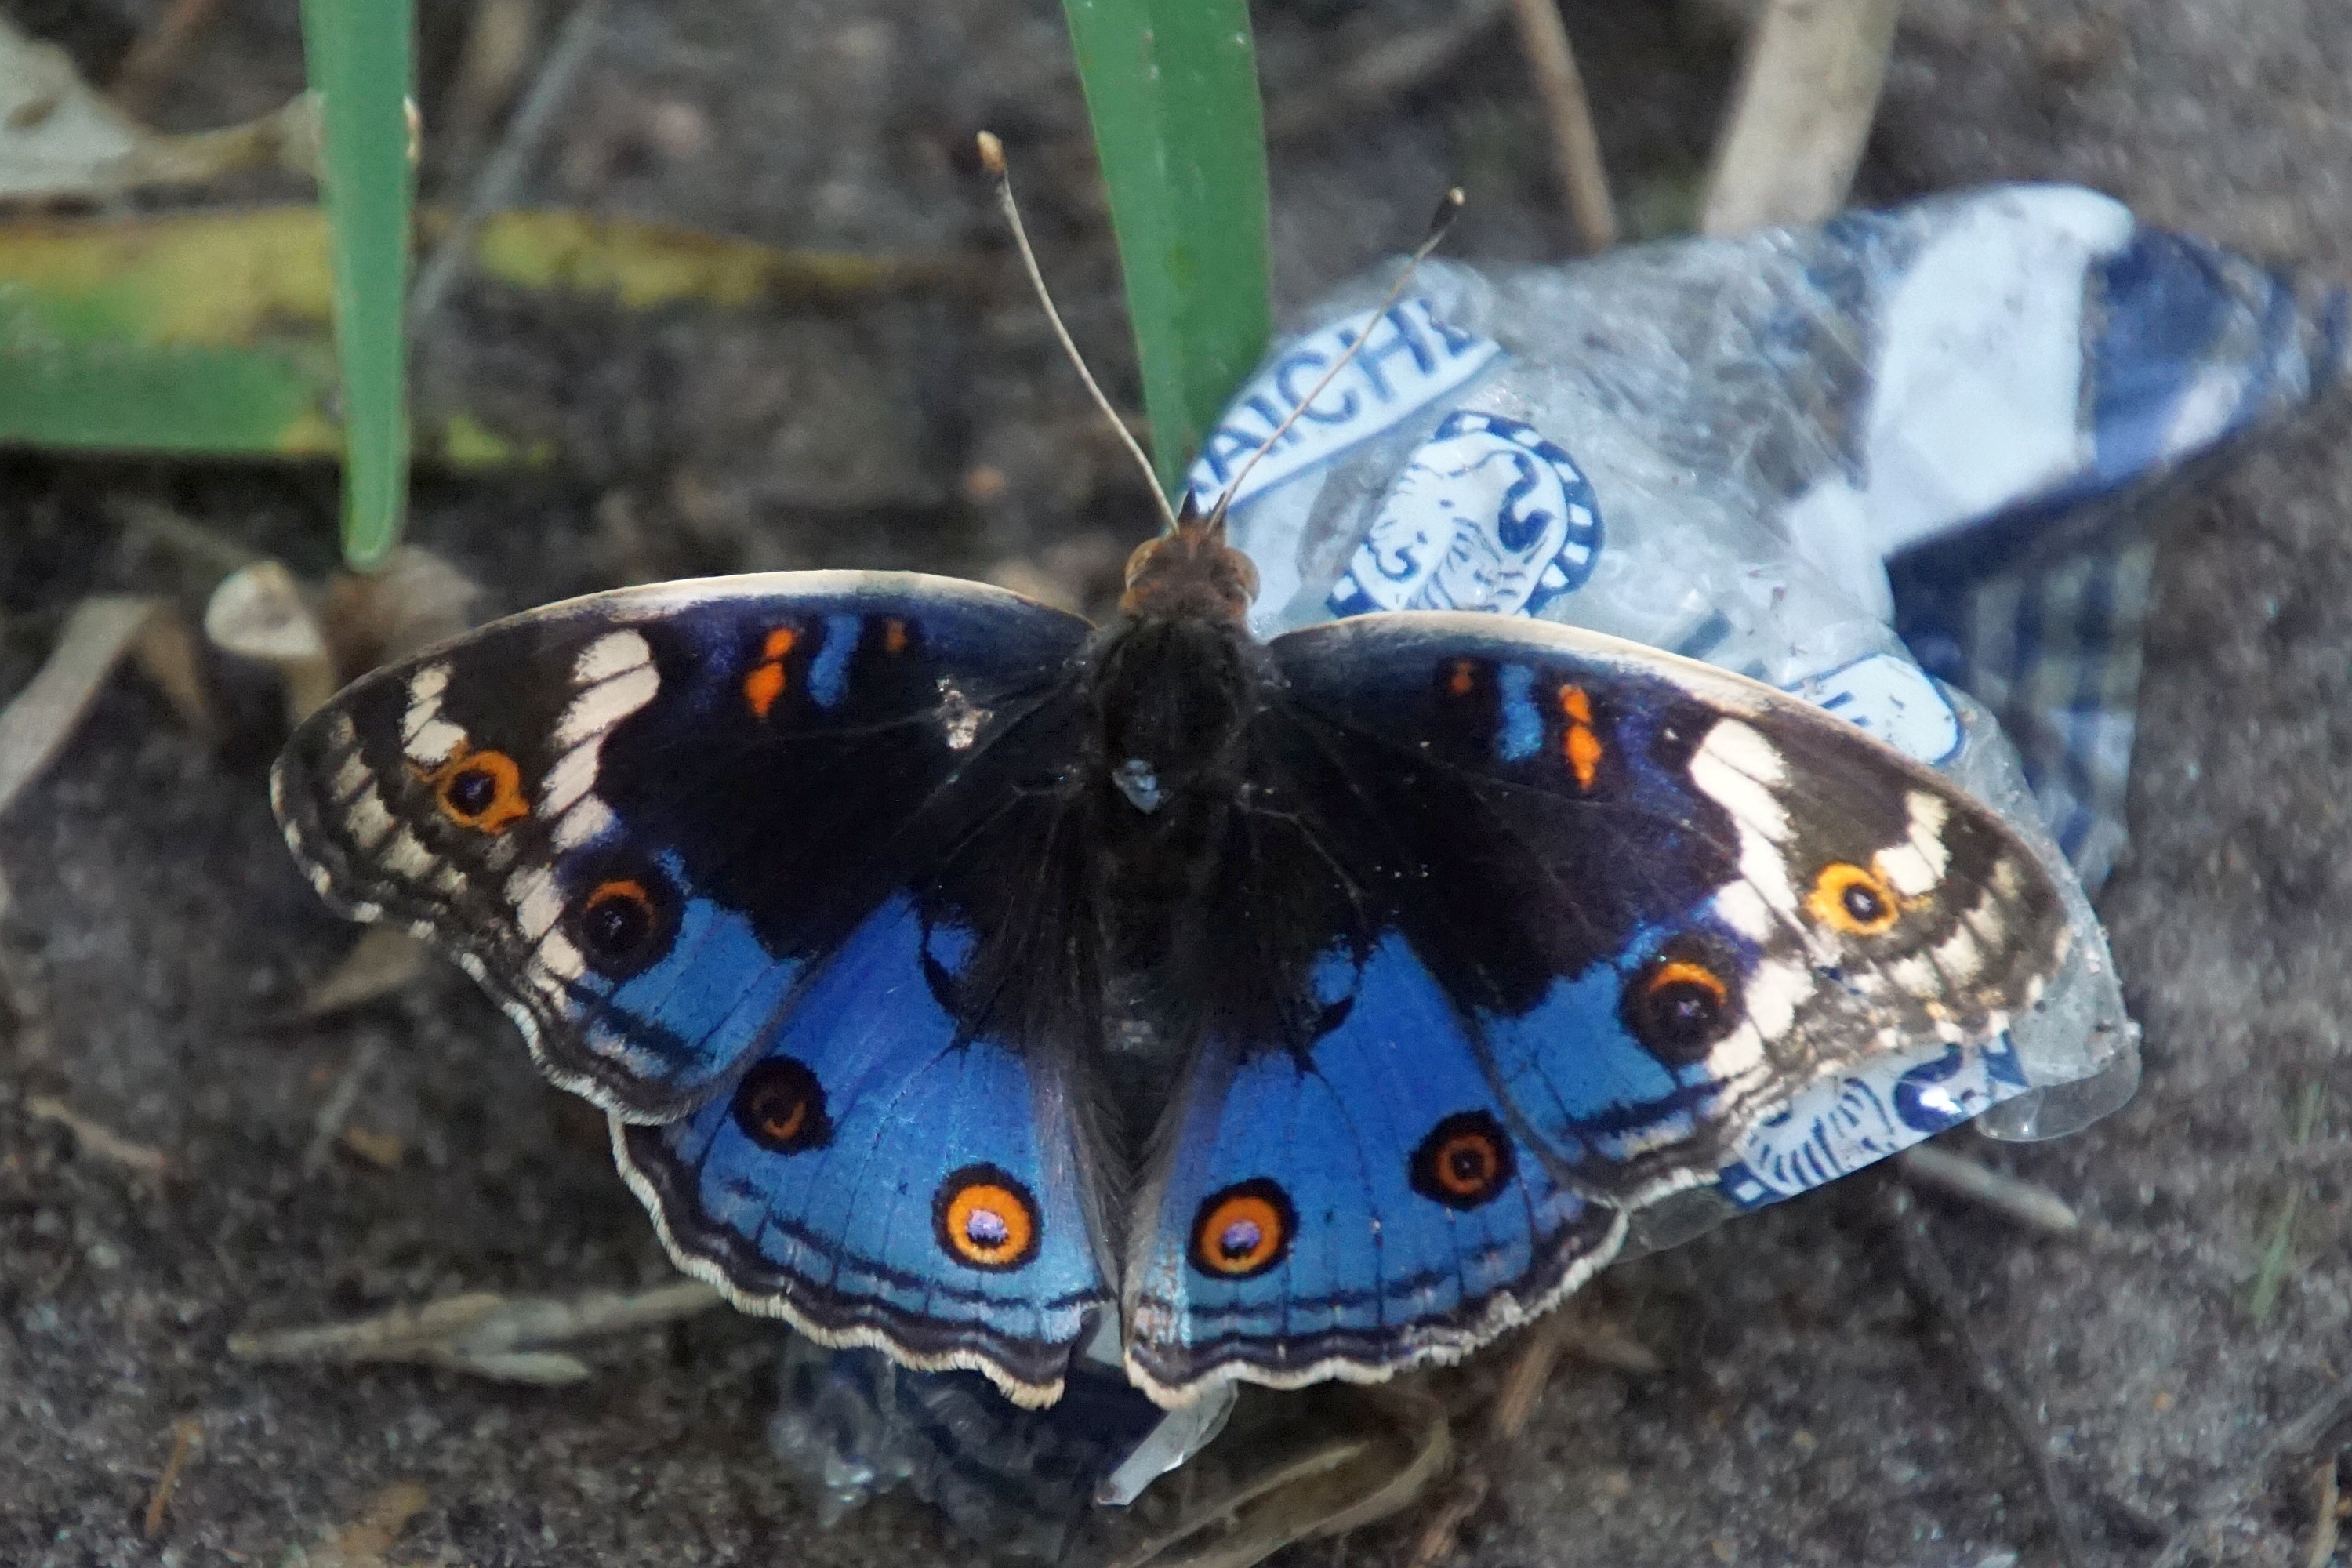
625 921
1244 1230
1854 900
627 887
1464 1161
1466 1164
617 917
480 790
1682 972
779 1105
1677 1006
986 1219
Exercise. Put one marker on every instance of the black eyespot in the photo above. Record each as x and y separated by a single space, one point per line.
1464 1161
479 790
617 920
779 1105
624 923
474 791
1854 901
1684 1000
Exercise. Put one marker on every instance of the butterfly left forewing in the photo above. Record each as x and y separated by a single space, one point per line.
638 818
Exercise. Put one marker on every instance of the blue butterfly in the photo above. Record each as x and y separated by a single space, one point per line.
969 981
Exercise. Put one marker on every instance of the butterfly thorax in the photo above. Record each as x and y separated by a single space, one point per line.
1190 574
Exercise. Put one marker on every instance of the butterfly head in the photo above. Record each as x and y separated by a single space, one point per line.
1189 573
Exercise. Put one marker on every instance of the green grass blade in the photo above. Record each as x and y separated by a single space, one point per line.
1171 86
167 397
2278 1251
360 55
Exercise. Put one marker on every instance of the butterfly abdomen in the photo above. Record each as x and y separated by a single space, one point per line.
1169 700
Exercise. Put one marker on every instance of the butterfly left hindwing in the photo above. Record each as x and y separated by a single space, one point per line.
887 1178
1604 911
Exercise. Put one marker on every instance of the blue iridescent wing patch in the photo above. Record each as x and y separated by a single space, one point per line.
649 821
882 1174
1344 1207
1601 912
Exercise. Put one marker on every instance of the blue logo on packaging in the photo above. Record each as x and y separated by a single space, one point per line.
1411 357
1488 515
1845 1123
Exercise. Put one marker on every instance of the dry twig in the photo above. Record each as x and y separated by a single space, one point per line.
2330 1516
1442 1536
502 172
1570 115
40 719
186 1432
1529 1372
1514 1406
1227 1508
2293 1440
2029 1204
328 1126
497 48
96 1137
484 1333
1800 114
384 1150
1394 66
383 960
148 66
382 1518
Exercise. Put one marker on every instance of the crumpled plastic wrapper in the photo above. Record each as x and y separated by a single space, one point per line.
1825 457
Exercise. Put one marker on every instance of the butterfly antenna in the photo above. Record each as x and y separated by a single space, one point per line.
1448 209
992 159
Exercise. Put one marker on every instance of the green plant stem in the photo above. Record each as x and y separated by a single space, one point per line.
1172 87
360 54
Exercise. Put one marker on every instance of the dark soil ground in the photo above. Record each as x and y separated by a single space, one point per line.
1811 1410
